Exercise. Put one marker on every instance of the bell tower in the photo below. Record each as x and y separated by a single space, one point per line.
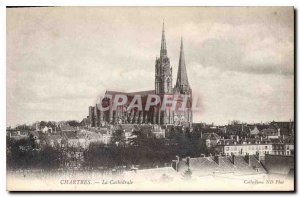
163 70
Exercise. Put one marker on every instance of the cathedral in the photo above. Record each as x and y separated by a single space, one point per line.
180 94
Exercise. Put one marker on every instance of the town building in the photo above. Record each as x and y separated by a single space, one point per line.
210 139
283 146
17 134
251 146
271 133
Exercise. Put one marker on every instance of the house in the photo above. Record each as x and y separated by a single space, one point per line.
210 139
53 140
47 129
289 145
74 139
127 129
158 131
85 122
251 146
254 132
17 134
92 137
283 146
271 132
106 134
66 128
286 128
237 129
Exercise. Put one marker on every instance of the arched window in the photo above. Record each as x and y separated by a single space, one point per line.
168 82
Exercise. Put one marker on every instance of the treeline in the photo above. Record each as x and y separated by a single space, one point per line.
143 149
22 155
52 124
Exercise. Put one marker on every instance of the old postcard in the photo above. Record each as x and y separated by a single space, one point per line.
150 99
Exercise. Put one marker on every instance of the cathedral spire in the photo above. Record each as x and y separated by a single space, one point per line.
182 83
163 48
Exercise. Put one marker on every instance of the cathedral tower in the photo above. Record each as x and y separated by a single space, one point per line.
163 70
182 87
182 83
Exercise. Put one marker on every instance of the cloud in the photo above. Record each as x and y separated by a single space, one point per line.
59 60
254 48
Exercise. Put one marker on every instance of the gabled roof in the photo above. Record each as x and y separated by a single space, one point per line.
211 136
242 167
279 164
205 164
262 126
254 130
93 135
69 134
289 140
208 165
66 127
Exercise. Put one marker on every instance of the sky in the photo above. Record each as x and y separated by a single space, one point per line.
240 60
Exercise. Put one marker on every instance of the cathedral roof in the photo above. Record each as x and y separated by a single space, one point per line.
131 93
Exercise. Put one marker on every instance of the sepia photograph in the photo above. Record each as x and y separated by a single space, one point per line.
150 98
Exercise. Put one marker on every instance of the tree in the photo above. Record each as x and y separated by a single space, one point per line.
99 154
49 158
141 137
118 138
73 123
24 127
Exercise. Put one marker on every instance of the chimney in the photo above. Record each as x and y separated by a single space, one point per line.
237 138
232 158
217 159
175 163
188 161
247 158
257 156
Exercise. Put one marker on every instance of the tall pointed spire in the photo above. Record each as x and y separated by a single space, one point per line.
182 83
163 48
